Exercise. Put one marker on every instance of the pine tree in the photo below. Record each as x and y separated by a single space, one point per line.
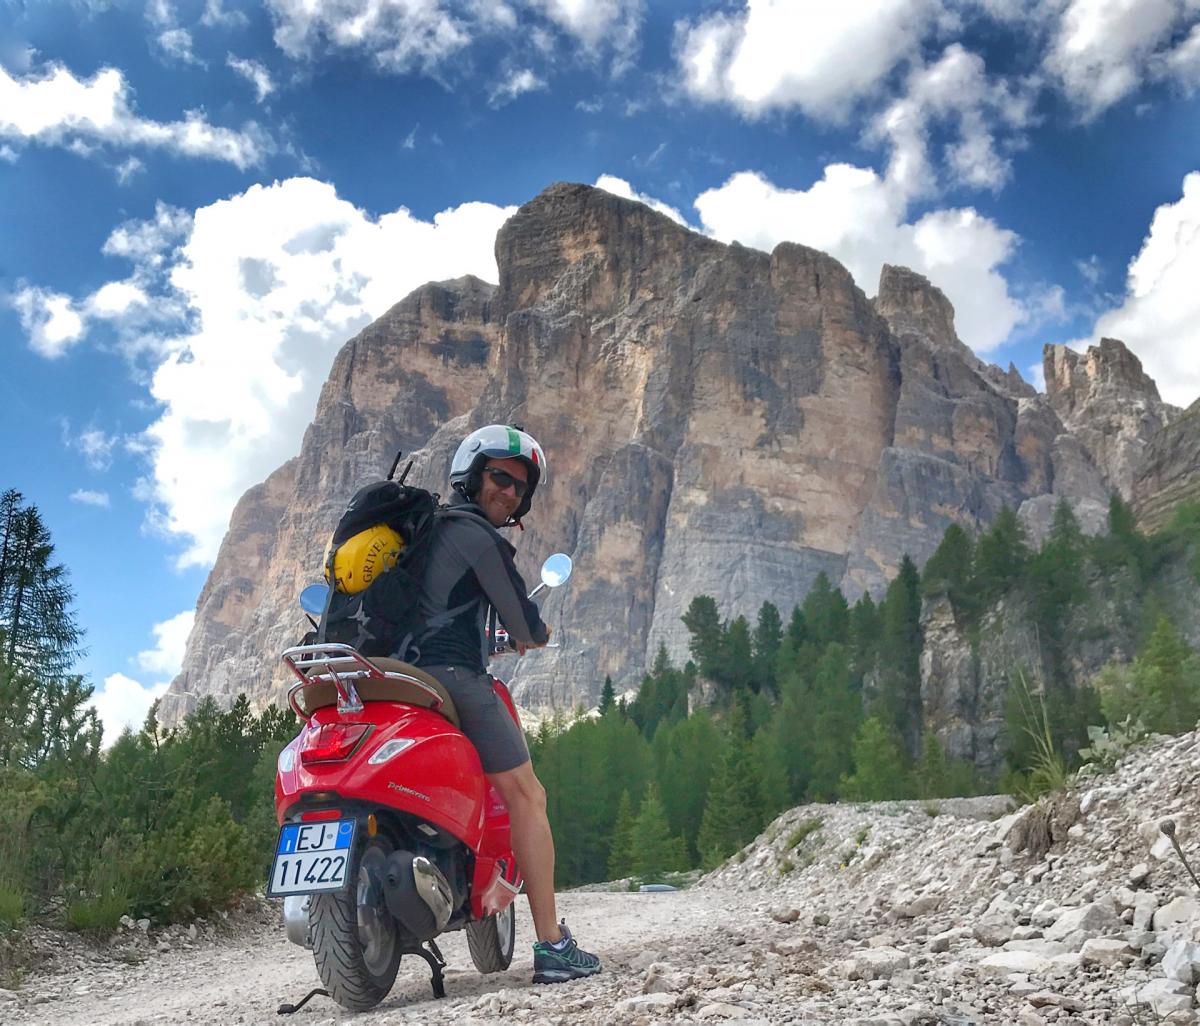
833 717
948 572
898 699
768 637
1055 576
654 850
43 706
737 669
620 852
1166 681
826 614
797 631
865 626
608 697
880 765
41 633
693 751
706 634
732 810
1001 555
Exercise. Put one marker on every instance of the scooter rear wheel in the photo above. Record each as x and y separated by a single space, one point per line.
355 942
492 940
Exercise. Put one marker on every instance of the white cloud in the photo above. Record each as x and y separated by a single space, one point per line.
115 299
399 35
598 25
517 83
122 702
170 640
177 43
267 286
1160 316
8 154
620 187
160 12
410 141
58 109
1035 374
215 15
96 447
254 73
1103 50
90 498
855 216
150 243
954 90
593 22
811 55
50 320
1090 270
127 169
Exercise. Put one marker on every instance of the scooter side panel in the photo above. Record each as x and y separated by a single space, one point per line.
438 778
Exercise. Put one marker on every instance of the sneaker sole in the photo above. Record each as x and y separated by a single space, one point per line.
563 975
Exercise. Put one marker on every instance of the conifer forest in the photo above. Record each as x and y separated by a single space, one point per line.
819 703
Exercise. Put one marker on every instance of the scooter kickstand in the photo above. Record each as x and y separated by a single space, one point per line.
436 964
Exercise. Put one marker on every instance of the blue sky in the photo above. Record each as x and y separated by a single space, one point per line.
200 201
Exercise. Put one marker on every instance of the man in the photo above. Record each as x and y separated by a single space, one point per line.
470 571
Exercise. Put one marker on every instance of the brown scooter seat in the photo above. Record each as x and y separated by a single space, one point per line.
373 689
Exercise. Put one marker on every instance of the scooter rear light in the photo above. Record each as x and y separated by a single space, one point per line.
334 742
316 815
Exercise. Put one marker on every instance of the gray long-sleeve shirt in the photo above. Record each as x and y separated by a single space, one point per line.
469 569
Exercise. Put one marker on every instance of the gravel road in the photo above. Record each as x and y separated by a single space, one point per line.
245 977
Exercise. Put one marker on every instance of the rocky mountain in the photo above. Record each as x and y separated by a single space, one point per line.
717 420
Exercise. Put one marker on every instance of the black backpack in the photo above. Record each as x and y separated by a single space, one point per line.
384 618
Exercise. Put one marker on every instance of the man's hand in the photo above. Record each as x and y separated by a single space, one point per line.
522 649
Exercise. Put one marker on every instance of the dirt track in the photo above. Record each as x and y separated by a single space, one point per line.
244 979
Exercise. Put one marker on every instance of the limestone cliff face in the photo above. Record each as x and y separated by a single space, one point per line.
717 421
1170 471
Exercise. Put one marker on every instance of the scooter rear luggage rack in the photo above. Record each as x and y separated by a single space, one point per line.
341 666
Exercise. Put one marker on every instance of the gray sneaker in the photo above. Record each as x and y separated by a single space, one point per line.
557 963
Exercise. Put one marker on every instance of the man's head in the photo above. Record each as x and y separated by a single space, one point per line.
502 486
499 448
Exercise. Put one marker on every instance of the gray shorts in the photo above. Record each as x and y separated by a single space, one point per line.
484 717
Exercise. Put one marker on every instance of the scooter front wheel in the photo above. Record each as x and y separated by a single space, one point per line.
492 940
355 942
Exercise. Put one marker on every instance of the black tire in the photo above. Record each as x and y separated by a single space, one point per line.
492 940
355 941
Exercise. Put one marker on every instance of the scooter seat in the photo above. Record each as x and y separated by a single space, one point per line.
372 689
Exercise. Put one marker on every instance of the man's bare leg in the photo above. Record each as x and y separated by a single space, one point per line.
532 843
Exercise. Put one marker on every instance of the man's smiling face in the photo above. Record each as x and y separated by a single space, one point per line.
500 500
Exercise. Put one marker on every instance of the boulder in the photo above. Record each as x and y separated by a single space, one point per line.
1090 920
1181 962
1182 911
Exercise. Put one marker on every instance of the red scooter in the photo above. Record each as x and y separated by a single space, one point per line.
390 834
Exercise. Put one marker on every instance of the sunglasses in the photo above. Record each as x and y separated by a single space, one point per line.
504 479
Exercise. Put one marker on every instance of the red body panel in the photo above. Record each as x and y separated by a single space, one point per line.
438 779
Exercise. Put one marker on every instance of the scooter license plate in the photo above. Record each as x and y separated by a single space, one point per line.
311 857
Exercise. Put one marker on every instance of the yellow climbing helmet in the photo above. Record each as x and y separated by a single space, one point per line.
361 558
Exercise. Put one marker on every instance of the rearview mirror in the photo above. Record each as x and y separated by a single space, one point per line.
556 570
313 598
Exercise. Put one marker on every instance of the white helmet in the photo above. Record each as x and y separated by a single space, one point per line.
497 442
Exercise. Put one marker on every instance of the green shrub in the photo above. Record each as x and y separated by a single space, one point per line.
12 906
802 832
101 912
1108 745
786 866
204 862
